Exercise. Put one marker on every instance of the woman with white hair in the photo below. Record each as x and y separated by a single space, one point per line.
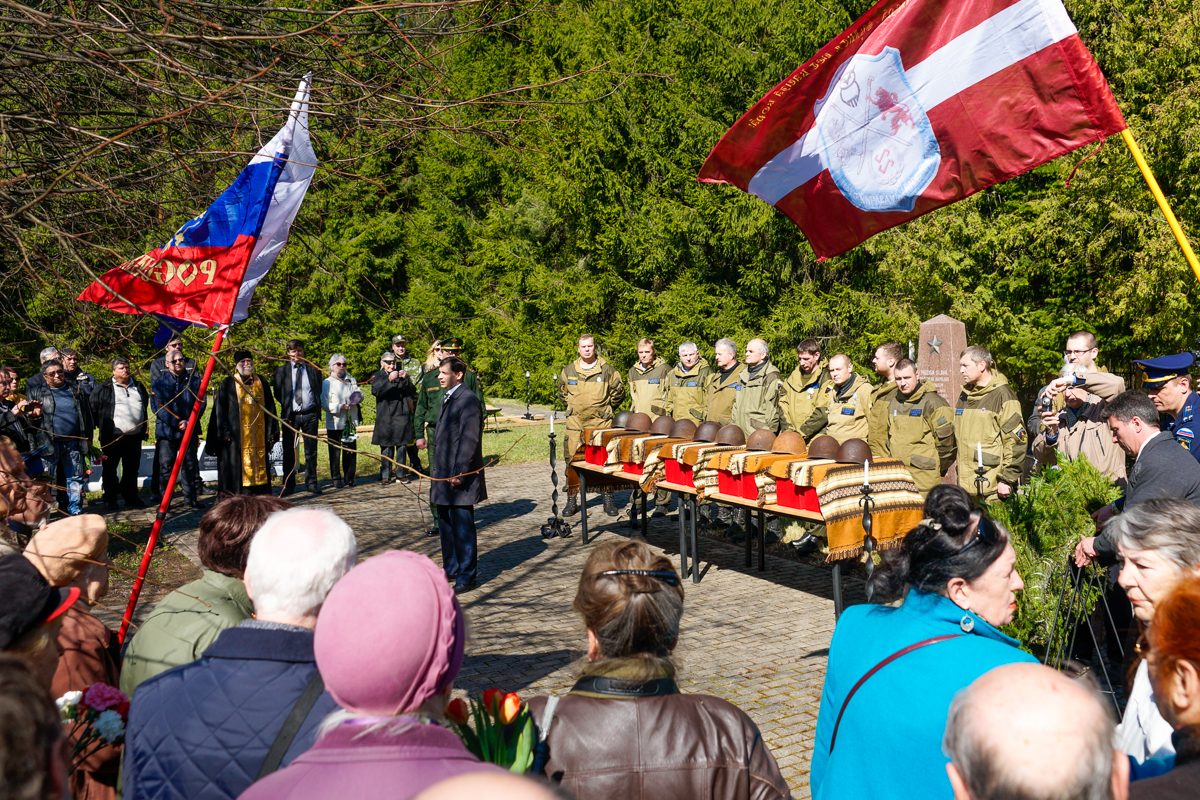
1158 544
340 398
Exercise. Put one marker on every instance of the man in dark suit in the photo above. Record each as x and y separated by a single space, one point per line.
298 387
458 474
1162 467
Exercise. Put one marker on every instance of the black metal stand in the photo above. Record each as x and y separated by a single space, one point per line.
583 503
980 482
645 520
528 396
555 525
867 502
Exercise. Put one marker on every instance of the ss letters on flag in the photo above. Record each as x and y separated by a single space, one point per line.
919 104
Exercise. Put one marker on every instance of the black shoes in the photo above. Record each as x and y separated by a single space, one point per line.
432 531
806 544
337 483
459 588
610 504
314 488
572 506
134 502
196 504
109 505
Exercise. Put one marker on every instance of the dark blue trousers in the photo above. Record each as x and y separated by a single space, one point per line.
460 556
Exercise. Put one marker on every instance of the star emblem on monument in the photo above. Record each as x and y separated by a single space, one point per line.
935 345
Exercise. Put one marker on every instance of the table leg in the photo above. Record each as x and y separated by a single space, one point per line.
645 521
744 513
695 508
583 504
838 606
762 540
683 553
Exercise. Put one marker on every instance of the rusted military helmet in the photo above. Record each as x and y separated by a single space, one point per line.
662 426
621 418
761 441
823 447
707 432
854 451
684 429
731 434
638 422
789 442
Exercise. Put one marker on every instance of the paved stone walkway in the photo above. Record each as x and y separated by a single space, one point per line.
756 639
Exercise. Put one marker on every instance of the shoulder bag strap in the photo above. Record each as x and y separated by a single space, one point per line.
541 750
876 668
291 726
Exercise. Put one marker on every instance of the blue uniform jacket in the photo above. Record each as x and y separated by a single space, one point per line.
890 740
1184 427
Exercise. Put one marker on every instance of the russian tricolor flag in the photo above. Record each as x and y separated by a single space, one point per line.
919 104
206 274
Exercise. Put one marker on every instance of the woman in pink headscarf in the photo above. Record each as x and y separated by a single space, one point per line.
389 643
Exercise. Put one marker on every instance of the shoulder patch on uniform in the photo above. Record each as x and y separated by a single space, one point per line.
849 412
1020 434
1185 432
916 412
958 412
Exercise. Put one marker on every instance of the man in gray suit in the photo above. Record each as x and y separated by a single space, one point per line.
1161 468
458 482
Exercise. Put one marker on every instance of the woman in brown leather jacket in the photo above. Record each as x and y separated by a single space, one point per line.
625 730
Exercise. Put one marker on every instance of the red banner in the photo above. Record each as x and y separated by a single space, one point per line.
919 104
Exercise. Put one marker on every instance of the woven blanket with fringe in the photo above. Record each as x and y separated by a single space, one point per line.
653 467
898 506
600 437
758 464
707 464
625 448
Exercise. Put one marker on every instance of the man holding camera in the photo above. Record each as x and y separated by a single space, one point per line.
1077 428
393 389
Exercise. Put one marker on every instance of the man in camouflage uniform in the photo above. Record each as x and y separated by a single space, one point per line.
429 405
412 367
648 380
886 357
919 427
802 389
688 387
988 427
757 403
844 405
722 383
591 389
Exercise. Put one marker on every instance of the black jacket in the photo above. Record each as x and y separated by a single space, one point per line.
43 433
458 449
1182 782
393 411
1164 469
173 400
103 402
283 388
158 367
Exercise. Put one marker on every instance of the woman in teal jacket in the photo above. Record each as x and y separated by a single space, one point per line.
960 567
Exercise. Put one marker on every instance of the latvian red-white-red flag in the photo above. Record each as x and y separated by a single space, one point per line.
917 105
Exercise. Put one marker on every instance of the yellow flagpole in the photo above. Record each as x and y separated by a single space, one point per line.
1162 202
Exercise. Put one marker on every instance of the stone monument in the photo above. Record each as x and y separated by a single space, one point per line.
942 339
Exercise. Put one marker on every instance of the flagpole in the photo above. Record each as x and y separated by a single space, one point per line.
1180 236
169 489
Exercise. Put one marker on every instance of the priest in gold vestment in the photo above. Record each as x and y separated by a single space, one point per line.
242 429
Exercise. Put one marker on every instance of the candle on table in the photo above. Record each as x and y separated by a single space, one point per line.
979 453
866 473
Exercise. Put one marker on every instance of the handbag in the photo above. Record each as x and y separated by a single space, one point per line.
903 652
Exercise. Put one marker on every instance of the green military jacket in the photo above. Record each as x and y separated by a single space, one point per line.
846 408
756 405
989 416
590 395
877 419
648 388
722 389
801 395
429 402
181 628
687 393
920 432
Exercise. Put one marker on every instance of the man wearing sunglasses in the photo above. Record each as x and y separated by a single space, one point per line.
65 433
173 395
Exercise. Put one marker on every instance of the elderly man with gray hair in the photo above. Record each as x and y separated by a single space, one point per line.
1027 732
37 378
253 701
119 407
688 385
340 397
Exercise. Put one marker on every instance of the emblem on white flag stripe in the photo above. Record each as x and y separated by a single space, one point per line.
877 142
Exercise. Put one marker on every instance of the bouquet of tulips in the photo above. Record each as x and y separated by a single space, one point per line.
503 732
97 717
